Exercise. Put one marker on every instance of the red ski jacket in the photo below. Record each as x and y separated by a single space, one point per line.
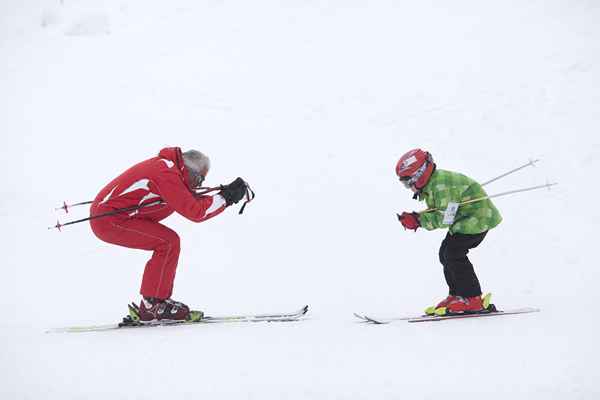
162 178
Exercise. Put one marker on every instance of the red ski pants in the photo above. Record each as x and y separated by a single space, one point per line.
145 234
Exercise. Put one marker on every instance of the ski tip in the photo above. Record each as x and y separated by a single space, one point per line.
305 309
362 317
375 321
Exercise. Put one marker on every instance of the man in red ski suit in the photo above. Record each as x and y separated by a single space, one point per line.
167 182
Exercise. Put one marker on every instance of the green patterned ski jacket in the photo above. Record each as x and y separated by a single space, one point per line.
444 187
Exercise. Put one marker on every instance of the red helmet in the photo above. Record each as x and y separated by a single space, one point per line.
415 168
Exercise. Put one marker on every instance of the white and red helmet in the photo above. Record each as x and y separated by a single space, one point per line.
415 168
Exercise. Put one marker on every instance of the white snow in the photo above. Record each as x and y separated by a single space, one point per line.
312 102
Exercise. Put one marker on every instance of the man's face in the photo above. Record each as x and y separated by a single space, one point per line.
197 178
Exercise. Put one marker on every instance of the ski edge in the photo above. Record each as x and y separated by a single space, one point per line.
260 317
433 318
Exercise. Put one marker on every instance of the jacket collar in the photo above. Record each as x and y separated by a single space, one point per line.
175 155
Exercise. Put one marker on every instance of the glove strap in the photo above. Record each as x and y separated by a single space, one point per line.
250 195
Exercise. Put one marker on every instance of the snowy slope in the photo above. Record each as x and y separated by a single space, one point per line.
311 102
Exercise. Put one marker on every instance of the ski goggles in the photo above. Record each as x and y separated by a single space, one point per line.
407 181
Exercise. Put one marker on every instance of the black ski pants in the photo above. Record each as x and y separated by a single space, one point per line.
458 270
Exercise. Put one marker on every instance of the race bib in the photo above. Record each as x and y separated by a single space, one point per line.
450 213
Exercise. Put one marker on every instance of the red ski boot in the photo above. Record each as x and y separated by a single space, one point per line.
431 309
462 305
156 310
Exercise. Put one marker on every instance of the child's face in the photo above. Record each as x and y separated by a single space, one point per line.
407 184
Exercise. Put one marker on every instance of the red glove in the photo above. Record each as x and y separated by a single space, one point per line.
409 220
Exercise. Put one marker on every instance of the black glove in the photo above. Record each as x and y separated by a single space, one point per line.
234 192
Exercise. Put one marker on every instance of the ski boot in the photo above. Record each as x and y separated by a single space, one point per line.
431 309
152 311
467 305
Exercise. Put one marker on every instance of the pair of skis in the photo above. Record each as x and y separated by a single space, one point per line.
429 318
126 324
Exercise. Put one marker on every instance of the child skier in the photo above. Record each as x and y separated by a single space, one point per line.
466 229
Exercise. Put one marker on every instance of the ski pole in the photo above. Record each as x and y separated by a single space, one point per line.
66 206
547 185
116 211
206 190
530 163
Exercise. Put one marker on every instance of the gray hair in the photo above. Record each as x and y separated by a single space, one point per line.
196 161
